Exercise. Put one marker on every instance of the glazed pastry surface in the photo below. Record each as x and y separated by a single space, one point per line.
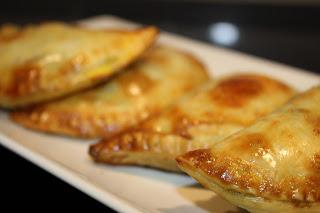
270 166
42 62
205 116
160 77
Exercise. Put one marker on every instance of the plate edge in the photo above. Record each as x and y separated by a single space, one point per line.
68 176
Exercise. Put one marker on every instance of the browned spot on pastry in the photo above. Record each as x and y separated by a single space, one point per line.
9 33
236 91
198 157
315 163
254 143
76 121
206 161
94 150
127 141
213 166
301 110
300 191
70 123
25 80
181 123
274 123
316 126
135 83
314 121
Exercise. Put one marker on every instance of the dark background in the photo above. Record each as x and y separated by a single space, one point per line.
287 33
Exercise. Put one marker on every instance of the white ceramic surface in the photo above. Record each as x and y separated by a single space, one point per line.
134 189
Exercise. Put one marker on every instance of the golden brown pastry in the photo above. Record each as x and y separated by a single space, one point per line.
215 111
159 78
8 32
47 61
271 166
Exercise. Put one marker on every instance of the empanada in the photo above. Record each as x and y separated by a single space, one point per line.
46 61
215 111
146 87
271 166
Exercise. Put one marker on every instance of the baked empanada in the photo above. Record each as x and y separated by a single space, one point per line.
271 166
215 111
146 87
42 62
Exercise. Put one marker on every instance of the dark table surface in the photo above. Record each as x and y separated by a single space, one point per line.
287 34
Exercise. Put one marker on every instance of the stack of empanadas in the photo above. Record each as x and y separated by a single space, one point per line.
237 135
216 110
144 88
42 63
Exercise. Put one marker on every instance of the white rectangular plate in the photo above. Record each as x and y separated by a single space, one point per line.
133 189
